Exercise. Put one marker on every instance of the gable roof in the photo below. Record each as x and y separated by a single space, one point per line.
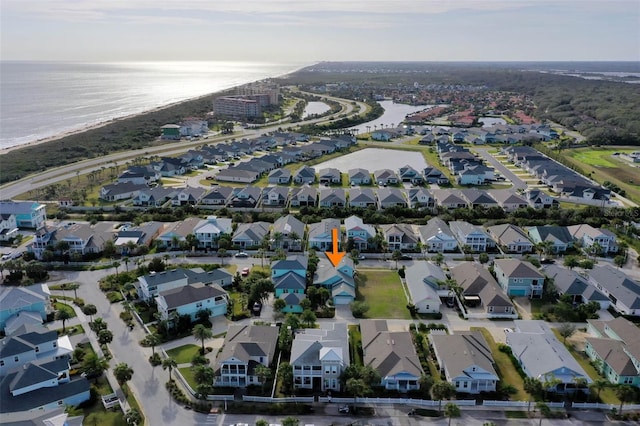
464 350
571 282
618 284
389 352
310 346
507 234
190 293
246 341
516 268
420 278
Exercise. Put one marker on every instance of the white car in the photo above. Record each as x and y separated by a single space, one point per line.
508 330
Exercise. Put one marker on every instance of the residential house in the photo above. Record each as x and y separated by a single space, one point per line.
139 175
471 238
614 346
518 278
249 196
152 284
209 230
399 236
391 197
466 361
82 238
129 238
287 233
244 348
232 174
511 238
358 232
121 191
480 289
538 199
305 174
191 299
475 174
385 177
476 198
359 177
559 236
153 197
423 280
187 196
571 283
304 197
170 132
409 174
433 175
339 280
175 233
383 135
542 356
217 196
436 236
590 236
449 198
168 166
321 234
289 281
508 200
362 197
275 196
8 227
17 300
391 354
622 290
332 197
319 356
249 235
421 197
279 176
329 176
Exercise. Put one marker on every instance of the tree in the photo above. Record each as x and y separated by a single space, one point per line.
105 336
116 265
544 247
396 255
451 410
598 386
262 422
442 390
222 253
192 241
625 393
279 305
292 321
203 374
169 364
123 373
308 317
152 340
133 416
200 332
63 315
359 309
425 384
90 310
156 265
263 373
94 366
566 330
533 386
357 387
482 258
290 421
619 261
98 324
544 409
550 382
285 374
595 250
571 262
438 259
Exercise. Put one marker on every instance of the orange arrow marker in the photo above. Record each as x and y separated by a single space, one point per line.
335 256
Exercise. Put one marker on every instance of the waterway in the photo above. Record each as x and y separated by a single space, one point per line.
315 108
394 114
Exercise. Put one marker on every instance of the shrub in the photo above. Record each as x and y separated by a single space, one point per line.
79 302
155 359
114 296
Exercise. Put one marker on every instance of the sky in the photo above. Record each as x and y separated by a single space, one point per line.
320 30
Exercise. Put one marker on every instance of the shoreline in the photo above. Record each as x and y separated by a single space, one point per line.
88 127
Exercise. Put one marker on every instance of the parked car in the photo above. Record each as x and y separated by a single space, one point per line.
547 261
508 330
406 257
241 254
245 272
257 308
344 409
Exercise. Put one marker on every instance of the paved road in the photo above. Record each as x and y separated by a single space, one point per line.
515 180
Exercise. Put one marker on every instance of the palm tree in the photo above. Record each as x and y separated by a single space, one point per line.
123 373
261 253
263 373
63 315
93 365
451 410
222 252
200 332
442 390
396 255
169 364
90 310
308 317
116 265
152 340
133 417
625 393
598 386
544 247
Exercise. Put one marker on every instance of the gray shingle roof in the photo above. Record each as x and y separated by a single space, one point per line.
387 351
191 293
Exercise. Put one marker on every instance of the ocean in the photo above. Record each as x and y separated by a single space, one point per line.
39 100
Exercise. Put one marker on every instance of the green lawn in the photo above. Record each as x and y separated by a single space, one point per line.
59 306
504 367
382 290
184 354
187 373
96 414
597 157
355 343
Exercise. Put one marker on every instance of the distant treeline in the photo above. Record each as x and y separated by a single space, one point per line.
605 112
119 135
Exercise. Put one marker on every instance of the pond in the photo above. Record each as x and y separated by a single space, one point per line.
393 114
315 108
374 159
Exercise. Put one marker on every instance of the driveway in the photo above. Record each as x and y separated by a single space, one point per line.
515 180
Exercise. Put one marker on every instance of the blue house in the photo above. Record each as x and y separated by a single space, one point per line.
290 282
518 278
191 299
339 280
14 300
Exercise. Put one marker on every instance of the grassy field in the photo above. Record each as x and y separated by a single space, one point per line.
505 368
187 373
184 354
382 290
58 306
605 167
355 342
